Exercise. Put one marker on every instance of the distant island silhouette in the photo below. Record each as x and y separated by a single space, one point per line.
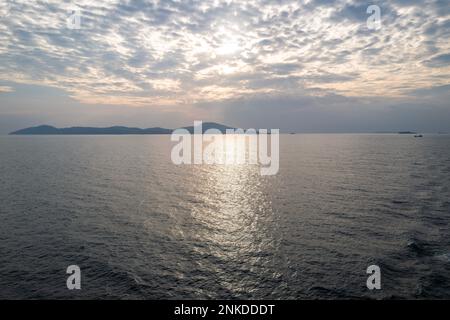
116 130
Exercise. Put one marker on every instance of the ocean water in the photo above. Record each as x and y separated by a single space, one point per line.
140 227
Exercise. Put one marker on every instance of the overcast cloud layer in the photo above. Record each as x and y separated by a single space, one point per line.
307 66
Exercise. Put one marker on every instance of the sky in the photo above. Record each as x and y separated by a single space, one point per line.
303 66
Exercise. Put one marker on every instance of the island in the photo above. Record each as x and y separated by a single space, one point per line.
116 130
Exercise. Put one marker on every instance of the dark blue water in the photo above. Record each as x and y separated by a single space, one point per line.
140 227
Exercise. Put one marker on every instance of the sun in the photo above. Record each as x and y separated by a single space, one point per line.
228 47
229 43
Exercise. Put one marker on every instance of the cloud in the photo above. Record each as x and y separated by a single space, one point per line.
181 54
5 89
439 61
443 91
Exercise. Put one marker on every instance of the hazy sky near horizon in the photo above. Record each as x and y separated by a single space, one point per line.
306 66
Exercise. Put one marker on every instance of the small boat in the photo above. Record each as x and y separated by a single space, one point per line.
418 136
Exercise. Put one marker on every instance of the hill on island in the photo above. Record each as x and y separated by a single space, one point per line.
116 130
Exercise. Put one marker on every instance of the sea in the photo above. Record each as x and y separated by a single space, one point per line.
140 227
